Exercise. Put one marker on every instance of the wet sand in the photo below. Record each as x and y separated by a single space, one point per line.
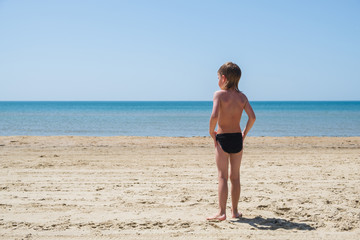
162 187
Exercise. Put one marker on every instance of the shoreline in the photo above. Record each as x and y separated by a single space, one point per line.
174 118
60 187
135 136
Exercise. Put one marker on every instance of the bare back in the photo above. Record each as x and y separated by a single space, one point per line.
231 106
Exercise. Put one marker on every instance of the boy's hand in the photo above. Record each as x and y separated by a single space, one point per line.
213 135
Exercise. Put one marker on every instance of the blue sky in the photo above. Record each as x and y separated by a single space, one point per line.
171 50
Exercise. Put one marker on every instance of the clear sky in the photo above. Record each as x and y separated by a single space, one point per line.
171 50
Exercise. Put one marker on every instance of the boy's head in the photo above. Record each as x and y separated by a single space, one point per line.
232 74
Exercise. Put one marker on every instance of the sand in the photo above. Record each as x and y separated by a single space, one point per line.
164 188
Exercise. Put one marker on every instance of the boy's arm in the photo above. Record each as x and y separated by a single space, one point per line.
250 112
214 116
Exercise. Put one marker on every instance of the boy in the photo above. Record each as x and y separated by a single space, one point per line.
228 106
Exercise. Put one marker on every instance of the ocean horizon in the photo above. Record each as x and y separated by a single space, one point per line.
173 118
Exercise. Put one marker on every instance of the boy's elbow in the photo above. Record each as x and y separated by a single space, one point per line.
253 118
214 116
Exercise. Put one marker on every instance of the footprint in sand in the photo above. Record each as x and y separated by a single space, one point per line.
262 207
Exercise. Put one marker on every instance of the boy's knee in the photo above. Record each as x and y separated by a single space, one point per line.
235 178
223 177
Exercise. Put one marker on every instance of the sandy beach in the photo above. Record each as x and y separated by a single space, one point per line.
164 187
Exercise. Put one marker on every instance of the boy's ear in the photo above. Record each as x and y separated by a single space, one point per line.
223 78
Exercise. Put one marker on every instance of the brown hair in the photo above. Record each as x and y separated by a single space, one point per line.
232 73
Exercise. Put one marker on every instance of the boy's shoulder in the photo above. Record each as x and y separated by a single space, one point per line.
219 93
224 92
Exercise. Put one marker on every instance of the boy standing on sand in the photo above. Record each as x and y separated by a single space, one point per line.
228 106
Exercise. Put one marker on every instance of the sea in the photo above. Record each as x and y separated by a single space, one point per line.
173 118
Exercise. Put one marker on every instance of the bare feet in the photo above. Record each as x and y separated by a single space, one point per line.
217 217
237 215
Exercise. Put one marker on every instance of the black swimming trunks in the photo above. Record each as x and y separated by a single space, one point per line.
230 142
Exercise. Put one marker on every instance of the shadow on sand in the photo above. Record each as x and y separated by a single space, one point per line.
273 223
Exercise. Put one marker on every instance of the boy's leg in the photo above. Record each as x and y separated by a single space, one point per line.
235 162
222 166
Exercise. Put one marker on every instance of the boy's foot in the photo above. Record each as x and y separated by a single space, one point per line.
237 215
217 218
